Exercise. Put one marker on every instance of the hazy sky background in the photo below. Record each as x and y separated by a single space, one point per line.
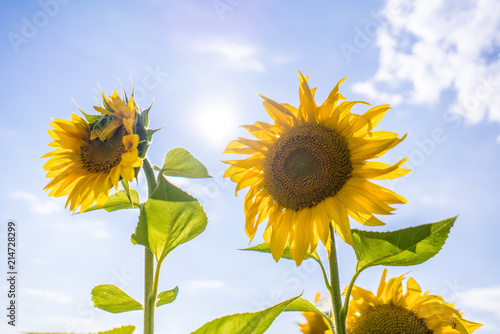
204 62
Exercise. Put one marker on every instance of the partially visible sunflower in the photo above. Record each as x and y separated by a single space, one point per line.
392 312
93 154
311 167
315 323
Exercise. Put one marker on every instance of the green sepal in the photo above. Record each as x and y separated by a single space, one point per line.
150 133
126 187
167 297
179 162
141 130
264 248
405 247
91 119
120 330
145 115
119 201
245 323
111 298
168 219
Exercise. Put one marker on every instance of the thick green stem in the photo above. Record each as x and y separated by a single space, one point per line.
149 307
335 287
149 263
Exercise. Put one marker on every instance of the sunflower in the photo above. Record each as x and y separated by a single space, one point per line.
392 312
315 323
92 157
311 167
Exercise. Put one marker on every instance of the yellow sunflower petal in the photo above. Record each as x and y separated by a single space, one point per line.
300 235
279 236
278 113
325 111
340 221
261 130
307 104
380 171
369 120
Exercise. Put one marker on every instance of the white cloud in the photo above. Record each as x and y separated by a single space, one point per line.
482 299
194 287
48 295
485 304
282 59
96 229
367 89
36 205
232 55
432 46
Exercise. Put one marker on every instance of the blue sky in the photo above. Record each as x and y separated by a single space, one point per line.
204 62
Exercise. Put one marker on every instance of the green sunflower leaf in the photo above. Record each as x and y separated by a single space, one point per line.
119 201
245 323
179 162
120 330
303 305
168 219
406 247
111 298
264 248
166 297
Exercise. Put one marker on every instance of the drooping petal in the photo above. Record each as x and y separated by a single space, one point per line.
376 170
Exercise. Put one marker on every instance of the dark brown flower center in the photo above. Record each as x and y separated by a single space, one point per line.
388 319
99 156
306 165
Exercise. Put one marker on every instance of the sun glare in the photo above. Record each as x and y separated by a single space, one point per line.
217 122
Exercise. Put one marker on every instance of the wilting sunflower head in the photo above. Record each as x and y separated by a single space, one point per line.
95 153
312 168
315 323
391 311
